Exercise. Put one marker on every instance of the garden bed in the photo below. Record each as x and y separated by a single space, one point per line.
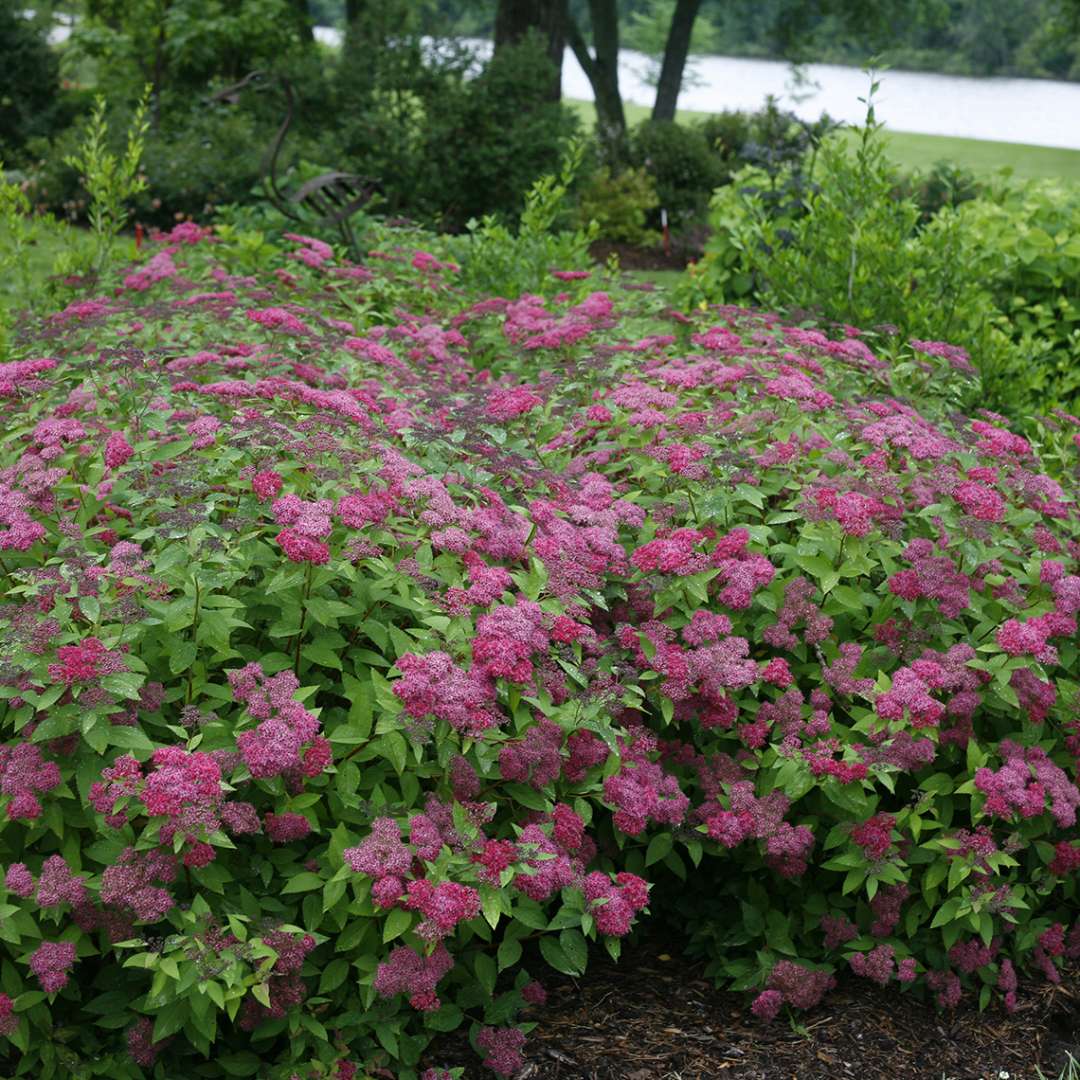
655 1016
633 257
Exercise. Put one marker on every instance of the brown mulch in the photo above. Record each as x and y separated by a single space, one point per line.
641 258
655 1017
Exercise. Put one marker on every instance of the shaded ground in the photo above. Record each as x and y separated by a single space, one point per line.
654 1017
632 257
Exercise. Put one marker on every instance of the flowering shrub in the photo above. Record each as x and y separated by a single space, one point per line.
363 660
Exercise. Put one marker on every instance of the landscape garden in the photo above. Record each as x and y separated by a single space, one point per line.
392 634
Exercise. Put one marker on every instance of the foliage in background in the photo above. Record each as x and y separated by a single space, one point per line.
449 138
646 31
484 141
943 184
684 168
178 46
503 261
29 82
620 205
960 37
857 249
1030 234
110 180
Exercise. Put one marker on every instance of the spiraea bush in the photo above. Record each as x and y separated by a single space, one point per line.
371 647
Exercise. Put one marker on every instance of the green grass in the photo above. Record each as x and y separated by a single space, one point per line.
913 151
662 279
983 156
24 285
586 110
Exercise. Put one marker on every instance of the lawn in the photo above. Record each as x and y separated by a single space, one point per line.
915 151
48 240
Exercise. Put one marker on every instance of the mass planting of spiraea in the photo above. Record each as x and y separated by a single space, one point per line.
371 649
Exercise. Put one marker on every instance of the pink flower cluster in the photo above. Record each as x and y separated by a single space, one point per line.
118 451
874 836
792 984
787 846
408 972
641 791
507 638
614 904
85 662
25 774
278 320
443 905
1024 784
51 962
510 403
287 741
134 881
433 684
879 965
672 554
502 1047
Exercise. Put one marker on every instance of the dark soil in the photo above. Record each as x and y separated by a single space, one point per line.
641 258
655 1017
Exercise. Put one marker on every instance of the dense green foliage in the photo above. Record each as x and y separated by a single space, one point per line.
1034 38
684 167
620 205
995 265
449 139
29 82
962 37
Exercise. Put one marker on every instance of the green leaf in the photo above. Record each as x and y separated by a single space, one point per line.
182 656
527 796
397 922
491 904
130 738
125 683
241 1064
318 653
509 953
445 1019
553 953
575 947
333 975
333 891
659 846
303 882
935 874
393 747
751 494
945 913
486 972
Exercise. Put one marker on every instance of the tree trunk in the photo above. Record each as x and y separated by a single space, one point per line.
602 70
304 28
515 19
675 53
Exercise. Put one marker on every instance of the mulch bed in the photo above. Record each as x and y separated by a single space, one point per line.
655 1017
639 258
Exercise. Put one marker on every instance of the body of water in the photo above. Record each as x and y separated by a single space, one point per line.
1036 111
1040 112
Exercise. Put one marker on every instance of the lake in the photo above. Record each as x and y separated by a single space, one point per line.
1040 112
